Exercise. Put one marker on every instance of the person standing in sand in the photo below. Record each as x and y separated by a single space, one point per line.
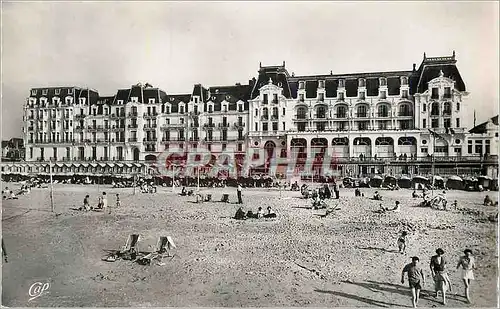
439 274
240 200
415 273
118 203
402 242
104 202
468 264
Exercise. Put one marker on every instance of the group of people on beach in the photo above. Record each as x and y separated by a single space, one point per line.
439 272
240 214
102 203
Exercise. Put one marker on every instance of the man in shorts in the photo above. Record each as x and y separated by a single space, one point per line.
416 279
468 264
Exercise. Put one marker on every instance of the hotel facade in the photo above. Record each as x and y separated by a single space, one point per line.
369 122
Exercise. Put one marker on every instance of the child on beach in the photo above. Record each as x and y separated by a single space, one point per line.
86 205
402 242
118 203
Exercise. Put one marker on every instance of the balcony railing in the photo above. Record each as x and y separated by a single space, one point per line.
150 114
447 112
274 101
132 114
383 115
361 115
405 114
132 126
435 96
264 117
151 126
447 96
132 139
300 117
80 116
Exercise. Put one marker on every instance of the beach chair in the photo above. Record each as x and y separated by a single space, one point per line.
128 252
163 247
225 198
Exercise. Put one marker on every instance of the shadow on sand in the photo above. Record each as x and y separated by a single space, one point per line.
360 299
378 249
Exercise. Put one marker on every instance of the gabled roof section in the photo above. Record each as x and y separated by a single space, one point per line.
279 77
431 67
481 128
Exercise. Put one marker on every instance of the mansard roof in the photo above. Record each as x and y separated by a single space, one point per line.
431 67
279 77
481 128
142 92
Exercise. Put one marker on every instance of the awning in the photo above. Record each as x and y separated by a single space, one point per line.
128 164
485 177
76 164
377 177
93 164
420 178
404 178
119 164
60 164
438 178
110 164
138 164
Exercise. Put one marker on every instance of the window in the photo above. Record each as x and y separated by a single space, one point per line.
256 112
447 92
479 149
181 109
301 127
275 98
383 94
321 97
383 111
240 147
435 93
383 81
362 111
341 96
225 108
31 152
283 111
434 123
362 125
424 123
301 113
458 122
223 146
447 108
44 92
301 85
301 97
196 100
435 109
264 127
58 91
256 126
33 92
424 107
151 100
404 94
487 147
447 122
341 112
275 126
361 95
469 147
265 99
240 108
284 126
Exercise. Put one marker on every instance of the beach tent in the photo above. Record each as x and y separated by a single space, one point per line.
438 182
376 181
348 182
404 182
455 182
390 180
485 181
419 181
364 182
471 184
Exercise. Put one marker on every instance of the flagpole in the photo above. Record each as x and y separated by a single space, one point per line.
51 187
432 166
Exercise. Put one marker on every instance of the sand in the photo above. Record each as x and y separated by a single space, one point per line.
349 258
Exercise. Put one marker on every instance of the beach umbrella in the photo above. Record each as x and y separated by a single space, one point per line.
364 182
471 184
419 180
484 181
455 182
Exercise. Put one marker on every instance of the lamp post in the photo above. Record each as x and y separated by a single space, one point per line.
51 187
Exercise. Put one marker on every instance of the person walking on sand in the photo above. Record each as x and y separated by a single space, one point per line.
439 274
403 242
104 202
4 252
240 200
416 279
468 264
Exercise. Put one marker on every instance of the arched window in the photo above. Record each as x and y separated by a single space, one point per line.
362 111
446 108
321 112
404 110
383 111
301 113
341 112
435 109
265 112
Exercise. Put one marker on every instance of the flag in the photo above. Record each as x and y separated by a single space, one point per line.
434 134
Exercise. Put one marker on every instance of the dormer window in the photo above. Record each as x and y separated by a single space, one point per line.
404 80
120 102
94 111
301 85
435 93
383 81
152 101
240 107
224 108
210 108
362 82
341 96
70 91
383 94
321 84
58 91
265 100
44 92
361 95
196 100
167 109
33 92
181 109
82 100
321 97
69 100
341 83
133 99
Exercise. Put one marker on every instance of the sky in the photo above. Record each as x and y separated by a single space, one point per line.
173 45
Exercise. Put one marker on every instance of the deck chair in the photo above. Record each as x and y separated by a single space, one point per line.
128 252
164 244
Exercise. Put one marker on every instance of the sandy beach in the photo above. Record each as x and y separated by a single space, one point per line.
348 258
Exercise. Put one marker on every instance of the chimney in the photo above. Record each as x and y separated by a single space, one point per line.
238 84
260 64
414 67
331 72
283 63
